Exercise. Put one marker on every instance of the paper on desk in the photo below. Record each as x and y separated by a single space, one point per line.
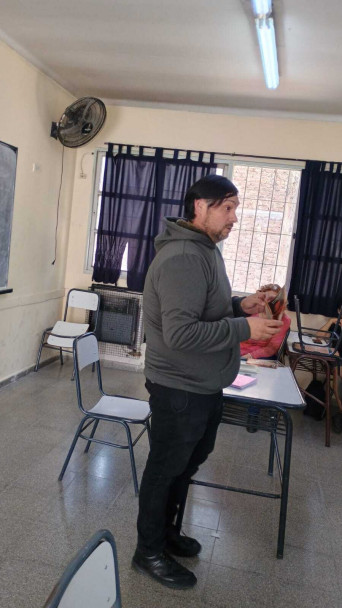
248 368
242 381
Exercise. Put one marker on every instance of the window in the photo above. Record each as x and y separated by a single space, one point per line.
259 248
100 157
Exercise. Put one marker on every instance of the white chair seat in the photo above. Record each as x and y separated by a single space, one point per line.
310 345
121 407
63 328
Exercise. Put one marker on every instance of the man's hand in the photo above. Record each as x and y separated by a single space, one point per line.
263 329
253 304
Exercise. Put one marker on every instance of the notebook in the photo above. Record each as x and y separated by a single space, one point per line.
242 381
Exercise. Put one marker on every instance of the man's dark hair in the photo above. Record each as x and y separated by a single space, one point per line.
214 188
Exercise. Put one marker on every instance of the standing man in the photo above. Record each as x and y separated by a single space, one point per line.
193 332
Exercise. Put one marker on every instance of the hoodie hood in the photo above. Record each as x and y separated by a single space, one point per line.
180 230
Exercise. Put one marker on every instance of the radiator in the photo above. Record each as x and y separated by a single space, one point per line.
120 326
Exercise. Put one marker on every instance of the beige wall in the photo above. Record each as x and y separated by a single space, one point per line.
290 138
29 102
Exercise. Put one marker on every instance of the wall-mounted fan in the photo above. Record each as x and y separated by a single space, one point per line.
81 121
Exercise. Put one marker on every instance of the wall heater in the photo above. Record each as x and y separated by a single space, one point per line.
120 327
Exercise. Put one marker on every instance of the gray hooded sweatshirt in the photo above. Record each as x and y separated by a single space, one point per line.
193 325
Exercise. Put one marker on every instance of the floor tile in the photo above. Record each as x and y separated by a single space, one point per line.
44 522
237 589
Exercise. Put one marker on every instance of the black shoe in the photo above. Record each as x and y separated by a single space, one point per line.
164 569
181 545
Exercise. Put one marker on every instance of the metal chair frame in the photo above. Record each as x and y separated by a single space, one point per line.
282 348
92 418
333 339
327 363
48 331
108 570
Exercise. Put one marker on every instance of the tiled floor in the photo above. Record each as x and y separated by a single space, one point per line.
43 522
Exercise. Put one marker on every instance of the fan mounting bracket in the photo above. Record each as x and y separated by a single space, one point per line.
54 130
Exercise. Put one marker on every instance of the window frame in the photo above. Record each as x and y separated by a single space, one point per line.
94 202
224 162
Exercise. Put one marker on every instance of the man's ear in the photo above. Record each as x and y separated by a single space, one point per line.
199 204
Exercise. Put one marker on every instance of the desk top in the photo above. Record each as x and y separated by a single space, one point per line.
273 387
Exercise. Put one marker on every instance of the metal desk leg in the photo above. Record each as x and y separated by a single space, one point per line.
285 485
271 456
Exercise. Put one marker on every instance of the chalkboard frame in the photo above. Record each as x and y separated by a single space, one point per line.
8 170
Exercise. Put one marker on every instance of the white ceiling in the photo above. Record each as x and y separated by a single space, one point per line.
199 53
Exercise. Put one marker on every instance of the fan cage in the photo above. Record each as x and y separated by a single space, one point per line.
81 121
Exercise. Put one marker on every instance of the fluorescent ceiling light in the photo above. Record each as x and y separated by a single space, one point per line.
268 51
261 8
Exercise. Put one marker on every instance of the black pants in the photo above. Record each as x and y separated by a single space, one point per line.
183 433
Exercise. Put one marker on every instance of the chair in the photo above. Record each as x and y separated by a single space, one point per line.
307 335
61 336
110 408
306 355
91 579
282 348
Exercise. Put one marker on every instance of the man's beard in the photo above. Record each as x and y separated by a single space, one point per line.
222 235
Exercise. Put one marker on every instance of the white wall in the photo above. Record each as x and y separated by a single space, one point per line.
29 102
287 138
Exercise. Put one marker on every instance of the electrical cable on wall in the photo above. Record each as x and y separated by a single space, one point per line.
78 125
58 201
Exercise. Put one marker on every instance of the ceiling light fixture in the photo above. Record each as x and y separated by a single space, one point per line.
262 8
268 51
267 42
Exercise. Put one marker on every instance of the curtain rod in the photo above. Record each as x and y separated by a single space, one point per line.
298 160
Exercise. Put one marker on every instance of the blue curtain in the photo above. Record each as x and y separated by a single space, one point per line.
138 192
316 274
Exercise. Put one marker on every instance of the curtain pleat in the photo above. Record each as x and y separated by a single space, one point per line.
316 274
138 192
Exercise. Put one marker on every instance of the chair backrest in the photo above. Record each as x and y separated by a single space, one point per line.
81 298
333 338
86 351
91 580
299 323
282 348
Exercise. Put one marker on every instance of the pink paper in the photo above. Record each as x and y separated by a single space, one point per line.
241 381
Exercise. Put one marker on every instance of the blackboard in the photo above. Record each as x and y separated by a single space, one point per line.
8 164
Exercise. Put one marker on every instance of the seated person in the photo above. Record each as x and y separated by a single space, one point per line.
268 349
